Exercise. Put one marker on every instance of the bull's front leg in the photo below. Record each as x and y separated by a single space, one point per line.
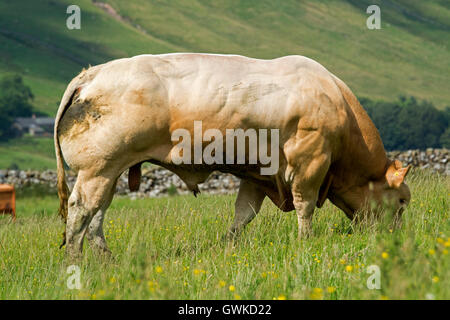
304 204
248 203
307 179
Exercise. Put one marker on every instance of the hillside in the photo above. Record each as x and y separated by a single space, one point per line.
409 55
28 153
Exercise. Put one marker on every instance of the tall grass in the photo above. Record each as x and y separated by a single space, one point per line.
171 248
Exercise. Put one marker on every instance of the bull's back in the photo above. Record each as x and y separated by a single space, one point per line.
133 105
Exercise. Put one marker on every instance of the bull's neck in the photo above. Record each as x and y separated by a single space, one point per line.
363 157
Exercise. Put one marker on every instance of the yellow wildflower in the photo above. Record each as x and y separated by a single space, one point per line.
317 294
197 271
331 289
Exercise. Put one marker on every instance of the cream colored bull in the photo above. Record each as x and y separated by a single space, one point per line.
115 116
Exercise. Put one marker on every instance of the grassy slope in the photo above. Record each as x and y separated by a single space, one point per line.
378 64
28 153
182 236
410 55
39 46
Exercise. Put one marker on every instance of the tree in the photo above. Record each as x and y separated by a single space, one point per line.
408 123
445 138
15 101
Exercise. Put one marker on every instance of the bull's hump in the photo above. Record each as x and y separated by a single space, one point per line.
236 63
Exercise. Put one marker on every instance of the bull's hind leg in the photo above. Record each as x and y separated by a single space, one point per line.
95 234
247 206
90 193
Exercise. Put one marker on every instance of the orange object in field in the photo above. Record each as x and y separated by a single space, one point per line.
8 200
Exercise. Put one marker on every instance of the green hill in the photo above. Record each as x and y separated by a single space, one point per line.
409 55
28 153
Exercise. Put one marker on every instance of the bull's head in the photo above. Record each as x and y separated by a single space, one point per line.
374 196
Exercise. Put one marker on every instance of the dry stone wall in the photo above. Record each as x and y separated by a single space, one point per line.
157 181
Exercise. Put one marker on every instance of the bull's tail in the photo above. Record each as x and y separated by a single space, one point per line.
63 189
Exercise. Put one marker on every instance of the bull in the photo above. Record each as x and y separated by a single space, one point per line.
115 116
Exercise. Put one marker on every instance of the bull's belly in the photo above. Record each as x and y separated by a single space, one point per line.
200 172
274 186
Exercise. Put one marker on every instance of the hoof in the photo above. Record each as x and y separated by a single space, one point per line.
73 257
104 253
229 236
305 233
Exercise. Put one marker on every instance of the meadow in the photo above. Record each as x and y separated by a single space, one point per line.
171 248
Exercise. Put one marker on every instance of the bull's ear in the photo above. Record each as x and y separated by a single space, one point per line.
398 164
395 174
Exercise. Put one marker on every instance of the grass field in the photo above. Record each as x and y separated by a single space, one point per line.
171 248
28 153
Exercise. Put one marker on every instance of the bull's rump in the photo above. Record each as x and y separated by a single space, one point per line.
133 105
